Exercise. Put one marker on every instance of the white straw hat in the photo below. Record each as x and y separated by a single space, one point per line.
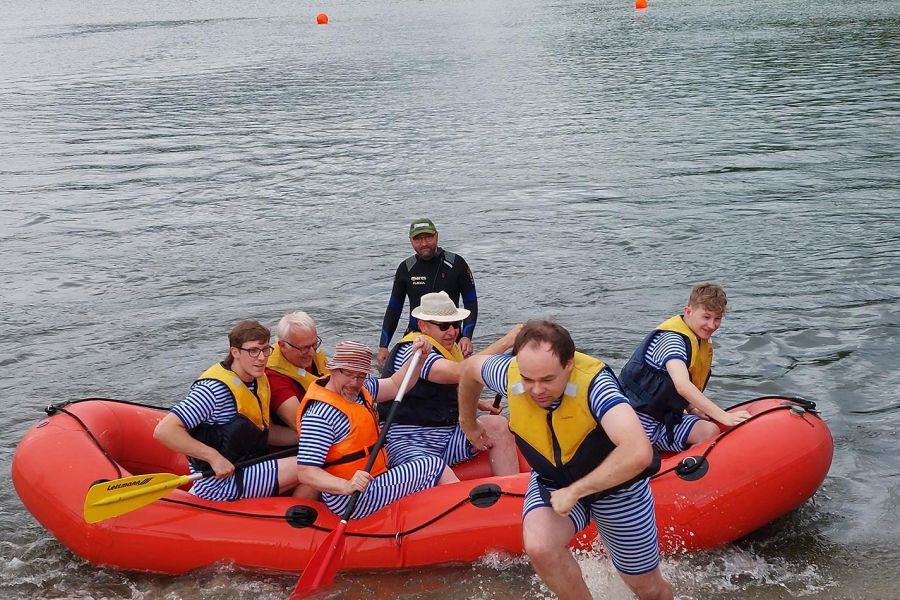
440 308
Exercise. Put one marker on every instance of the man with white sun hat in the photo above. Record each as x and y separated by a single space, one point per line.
427 421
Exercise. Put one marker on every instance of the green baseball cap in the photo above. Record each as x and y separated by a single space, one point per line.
420 226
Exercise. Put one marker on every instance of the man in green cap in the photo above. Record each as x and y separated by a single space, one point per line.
430 269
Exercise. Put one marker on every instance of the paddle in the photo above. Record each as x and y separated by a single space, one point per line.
119 496
323 565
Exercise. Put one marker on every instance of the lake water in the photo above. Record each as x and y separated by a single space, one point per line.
169 168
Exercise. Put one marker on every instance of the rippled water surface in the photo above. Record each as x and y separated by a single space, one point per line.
168 168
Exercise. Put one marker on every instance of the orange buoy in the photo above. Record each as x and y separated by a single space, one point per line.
640 4
322 18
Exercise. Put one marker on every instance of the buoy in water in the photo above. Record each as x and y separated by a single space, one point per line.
640 4
322 18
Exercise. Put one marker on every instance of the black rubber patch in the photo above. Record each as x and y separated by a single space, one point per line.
692 468
485 495
301 516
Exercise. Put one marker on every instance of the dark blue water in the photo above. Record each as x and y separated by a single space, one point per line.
169 168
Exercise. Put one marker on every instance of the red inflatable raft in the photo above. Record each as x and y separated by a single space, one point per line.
710 495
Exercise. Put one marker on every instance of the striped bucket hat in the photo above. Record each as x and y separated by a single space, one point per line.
350 355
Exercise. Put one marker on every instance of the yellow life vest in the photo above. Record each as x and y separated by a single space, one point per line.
700 366
278 363
454 353
570 423
254 407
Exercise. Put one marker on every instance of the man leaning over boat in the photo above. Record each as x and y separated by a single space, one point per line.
668 372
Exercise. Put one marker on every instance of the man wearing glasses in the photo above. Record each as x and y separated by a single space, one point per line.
338 427
225 419
430 269
294 364
427 421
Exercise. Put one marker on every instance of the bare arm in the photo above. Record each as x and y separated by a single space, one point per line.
678 371
448 371
628 459
324 481
504 343
280 435
172 433
470 385
389 388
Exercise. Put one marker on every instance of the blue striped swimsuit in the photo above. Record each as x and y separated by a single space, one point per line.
406 443
625 519
210 401
665 346
322 426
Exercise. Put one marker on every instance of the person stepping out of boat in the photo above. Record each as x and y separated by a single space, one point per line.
668 373
427 421
588 454
225 419
338 426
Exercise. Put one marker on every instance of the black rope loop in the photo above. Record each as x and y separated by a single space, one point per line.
296 517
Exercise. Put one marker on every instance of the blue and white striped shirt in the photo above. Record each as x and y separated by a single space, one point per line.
665 346
405 351
603 392
208 401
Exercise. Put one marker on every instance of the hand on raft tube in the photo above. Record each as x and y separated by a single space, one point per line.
733 418
358 483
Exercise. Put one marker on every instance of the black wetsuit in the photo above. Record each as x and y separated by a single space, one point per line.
415 277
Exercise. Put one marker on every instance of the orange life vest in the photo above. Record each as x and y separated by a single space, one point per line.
350 454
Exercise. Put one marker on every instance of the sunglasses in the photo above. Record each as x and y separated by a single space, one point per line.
446 326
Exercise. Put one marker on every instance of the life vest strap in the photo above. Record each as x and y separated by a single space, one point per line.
353 456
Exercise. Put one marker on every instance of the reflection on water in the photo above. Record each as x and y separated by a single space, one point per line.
170 168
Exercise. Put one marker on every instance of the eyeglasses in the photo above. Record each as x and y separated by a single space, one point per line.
255 352
307 347
446 326
353 374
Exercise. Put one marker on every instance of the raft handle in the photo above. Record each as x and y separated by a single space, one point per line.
485 495
692 468
301 516
52 409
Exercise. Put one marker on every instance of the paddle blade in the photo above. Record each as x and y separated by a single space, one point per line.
320 570
113 498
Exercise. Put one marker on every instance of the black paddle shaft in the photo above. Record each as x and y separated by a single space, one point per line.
380 441
206 473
